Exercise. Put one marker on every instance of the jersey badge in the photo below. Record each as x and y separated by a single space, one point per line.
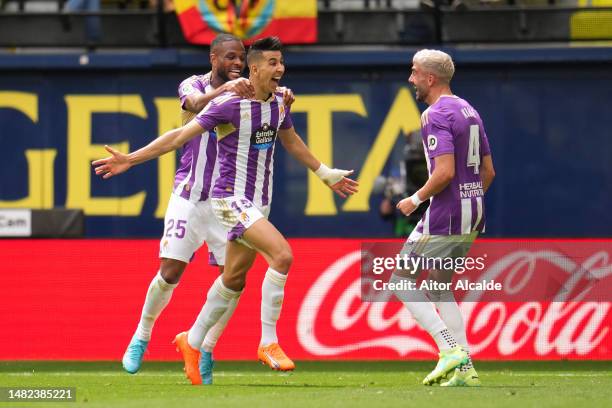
432 142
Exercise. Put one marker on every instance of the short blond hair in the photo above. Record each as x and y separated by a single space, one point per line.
437 62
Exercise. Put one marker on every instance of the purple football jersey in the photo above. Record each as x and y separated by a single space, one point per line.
198 164
246 134
452 126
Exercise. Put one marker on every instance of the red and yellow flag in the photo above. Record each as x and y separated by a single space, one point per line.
293 21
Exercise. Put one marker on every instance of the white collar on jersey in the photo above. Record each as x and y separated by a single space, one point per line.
270 99
444 96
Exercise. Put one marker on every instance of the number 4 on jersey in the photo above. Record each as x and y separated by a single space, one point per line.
473 156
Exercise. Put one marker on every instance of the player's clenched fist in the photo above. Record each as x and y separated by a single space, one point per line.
408 205
112 165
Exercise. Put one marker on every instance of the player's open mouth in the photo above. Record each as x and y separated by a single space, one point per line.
276 80
234 74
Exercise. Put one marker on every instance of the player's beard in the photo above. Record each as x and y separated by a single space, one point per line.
223 74
420 94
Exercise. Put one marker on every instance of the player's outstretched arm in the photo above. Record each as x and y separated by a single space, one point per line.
119 162
442 175
335 178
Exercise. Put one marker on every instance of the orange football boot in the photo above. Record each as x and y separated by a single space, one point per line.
191 358
274 357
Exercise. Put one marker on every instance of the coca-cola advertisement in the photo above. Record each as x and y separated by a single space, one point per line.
65 297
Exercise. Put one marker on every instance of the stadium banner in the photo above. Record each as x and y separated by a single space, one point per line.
54 124
294 22
81 300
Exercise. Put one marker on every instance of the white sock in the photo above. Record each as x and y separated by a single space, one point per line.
158 297
452 317
272 293
424 313
215 332
469 364
217 301
444 339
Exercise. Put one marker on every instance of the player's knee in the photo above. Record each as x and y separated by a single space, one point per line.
446 295
441 295
283 260
234 282
433 295
171 270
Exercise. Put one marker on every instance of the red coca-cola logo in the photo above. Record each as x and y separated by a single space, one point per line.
332 320
323 316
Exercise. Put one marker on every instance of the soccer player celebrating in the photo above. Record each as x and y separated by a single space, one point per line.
246 132
460 172
189 221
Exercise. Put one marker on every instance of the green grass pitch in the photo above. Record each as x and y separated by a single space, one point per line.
572 384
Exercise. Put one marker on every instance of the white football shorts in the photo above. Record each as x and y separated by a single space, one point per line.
438 246
237 214
187 226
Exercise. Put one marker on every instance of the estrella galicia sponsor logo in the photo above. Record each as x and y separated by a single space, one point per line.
263 138
432 142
